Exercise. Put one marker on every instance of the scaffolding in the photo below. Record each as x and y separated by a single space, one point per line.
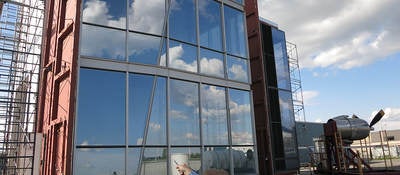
21 25
295 81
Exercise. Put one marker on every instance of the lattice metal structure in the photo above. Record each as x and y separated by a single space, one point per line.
20 46
295 81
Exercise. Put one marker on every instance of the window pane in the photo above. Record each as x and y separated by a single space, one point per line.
216 158
211 63
184 114
210 24
140 87
101 107
288 123
133 160
213 111
156 134
182 20
239 1
182 56
237 69
244 160
281 60
105 12
99 161
145 16
102 42
234 31
154 161
144 48
189 156
239 107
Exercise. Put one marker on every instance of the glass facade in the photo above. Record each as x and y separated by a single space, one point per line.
280 99
162 82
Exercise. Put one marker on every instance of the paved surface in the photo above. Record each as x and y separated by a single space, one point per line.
375 164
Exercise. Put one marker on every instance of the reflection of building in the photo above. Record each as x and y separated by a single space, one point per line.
132 80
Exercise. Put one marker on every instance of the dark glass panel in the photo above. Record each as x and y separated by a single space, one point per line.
241 119
182 20
182 56
210 24
101 108
184 113
103 42
147 16
105 12
211 63
237 69
281 59
99 161
234 31
214 118
288 123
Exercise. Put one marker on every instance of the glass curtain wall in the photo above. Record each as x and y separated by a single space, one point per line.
131 122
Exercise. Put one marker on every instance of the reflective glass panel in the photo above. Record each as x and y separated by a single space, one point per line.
281 59
210 24
244 160
216 159
241 123
103 42
101 107
288 123
105 12
213 115
182 56
237 69
147 16
144 48
211 63
154 161
99 161
184 113
189 156
140 87
234 31
182 20
133 160
156 134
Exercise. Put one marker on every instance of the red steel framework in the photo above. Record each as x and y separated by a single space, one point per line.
58 85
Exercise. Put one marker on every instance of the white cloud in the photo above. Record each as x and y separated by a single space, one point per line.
178 115
176 61
238 72
212 66
96 11
309 96
191 136
390 121
155 126
340 34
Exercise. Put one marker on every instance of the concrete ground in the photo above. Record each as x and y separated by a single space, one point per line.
393 164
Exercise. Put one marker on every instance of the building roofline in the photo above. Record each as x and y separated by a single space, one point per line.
268 22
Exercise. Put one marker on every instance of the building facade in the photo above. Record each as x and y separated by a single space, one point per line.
138 86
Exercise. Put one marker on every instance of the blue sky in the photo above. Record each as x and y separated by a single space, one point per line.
348 53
